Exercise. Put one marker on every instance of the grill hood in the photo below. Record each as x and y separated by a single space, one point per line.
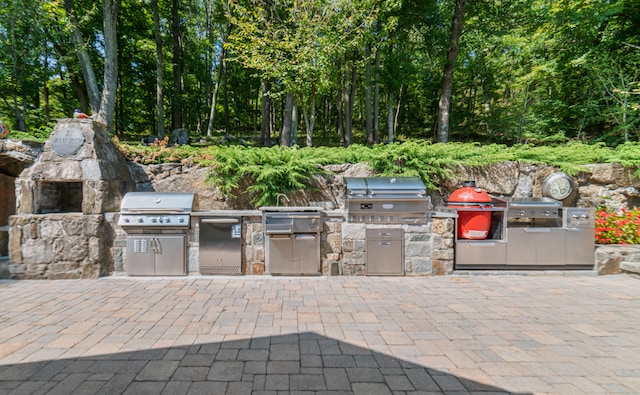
385 186
156 210
158 202
387 200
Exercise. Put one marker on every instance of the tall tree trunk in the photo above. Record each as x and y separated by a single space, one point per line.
216 88
225 99
368 109
340 118
109 89
45 92
285 134
81 93
265 128
376 98
444 105
339 107
159 70
390 120
88 74
294 123
177 65
349 94
310 118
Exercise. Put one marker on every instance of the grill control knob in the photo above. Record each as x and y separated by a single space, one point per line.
545 213
180 219
140 220
166 220
126 220
520 213
154 220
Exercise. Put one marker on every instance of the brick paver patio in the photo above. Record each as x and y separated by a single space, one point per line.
367 335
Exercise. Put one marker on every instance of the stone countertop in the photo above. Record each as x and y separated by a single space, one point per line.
227 213
290 208
258 213
253 213
444 214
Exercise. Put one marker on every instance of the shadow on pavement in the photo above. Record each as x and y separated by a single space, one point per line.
305 362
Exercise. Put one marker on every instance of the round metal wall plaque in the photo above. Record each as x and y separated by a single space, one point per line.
558 186
67 141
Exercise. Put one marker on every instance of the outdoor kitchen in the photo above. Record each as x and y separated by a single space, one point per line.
81 211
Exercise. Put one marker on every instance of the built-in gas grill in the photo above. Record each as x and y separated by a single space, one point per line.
156 224
387 200
384 204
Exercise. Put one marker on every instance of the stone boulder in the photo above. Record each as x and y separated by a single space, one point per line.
180 137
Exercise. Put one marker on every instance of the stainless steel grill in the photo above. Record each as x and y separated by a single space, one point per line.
156 224
387 200
156 210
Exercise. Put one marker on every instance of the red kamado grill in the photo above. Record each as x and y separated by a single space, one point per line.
474 222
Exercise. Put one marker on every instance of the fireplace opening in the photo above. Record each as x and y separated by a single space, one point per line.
58 197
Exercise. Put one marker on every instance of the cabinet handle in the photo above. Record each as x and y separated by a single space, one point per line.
220 221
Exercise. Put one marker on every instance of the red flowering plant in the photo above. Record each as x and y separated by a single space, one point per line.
618 227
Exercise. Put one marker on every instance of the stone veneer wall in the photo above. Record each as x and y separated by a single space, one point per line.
609 257
428 249
59 246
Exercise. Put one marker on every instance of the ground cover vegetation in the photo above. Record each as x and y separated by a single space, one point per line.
264 172
326 73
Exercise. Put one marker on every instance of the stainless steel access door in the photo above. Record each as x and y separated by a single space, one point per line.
294 253
535 246
159 255
220 246
385 252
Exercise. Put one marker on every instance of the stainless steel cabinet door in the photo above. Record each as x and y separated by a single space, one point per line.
385 252
280 254
481 253
170 255
160 255
306 258
535 246
294 254
141 259
580 247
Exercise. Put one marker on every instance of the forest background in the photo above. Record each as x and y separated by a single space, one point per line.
326 72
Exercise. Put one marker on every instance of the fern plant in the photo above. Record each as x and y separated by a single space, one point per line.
266 172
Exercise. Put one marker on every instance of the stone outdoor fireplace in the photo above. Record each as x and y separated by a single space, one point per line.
59 229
